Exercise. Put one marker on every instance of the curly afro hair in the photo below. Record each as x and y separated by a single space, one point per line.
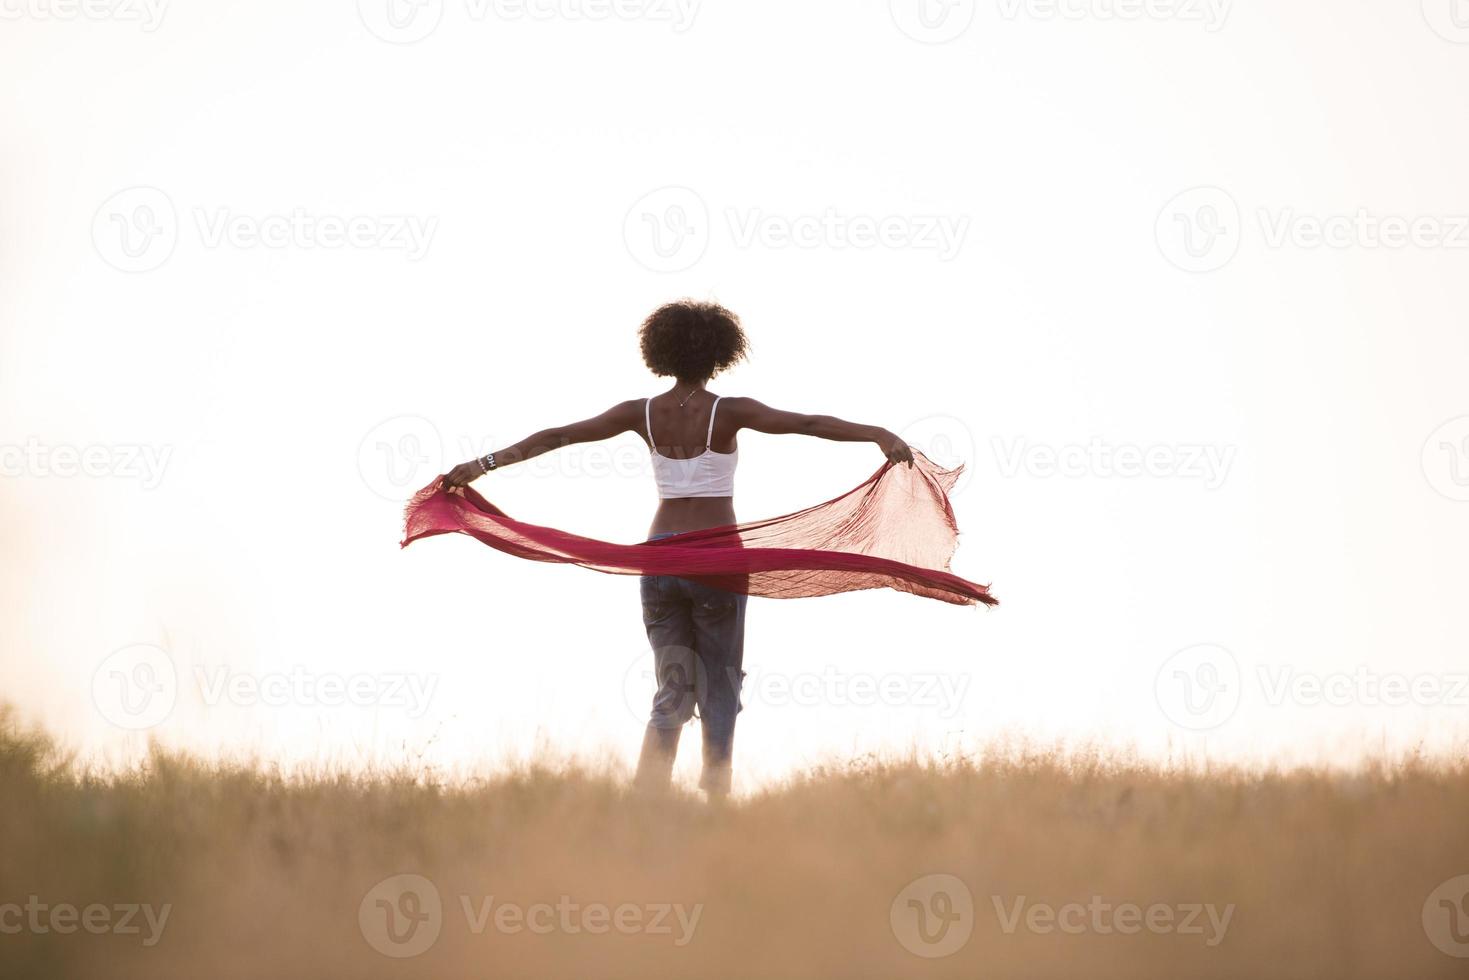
691 341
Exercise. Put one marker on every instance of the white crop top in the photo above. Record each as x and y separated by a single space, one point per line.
708 474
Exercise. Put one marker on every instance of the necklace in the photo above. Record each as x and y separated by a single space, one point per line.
687 397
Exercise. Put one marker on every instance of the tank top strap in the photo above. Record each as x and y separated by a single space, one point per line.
648 420
709 436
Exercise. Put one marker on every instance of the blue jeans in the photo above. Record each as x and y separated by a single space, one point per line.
698 637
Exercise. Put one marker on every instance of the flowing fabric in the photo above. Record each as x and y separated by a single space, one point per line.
896 530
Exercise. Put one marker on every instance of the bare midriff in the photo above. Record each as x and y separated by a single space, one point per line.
680 514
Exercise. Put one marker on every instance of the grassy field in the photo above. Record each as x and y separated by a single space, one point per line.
1014 864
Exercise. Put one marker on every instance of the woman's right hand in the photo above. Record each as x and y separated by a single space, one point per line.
895 449
464 474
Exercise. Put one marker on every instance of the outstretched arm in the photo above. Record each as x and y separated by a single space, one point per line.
751 414
615 421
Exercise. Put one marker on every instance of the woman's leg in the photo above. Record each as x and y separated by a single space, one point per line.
671 634
719 645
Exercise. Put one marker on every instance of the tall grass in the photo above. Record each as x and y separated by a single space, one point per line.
266 875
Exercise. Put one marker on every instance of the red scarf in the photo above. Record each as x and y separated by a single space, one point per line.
896 531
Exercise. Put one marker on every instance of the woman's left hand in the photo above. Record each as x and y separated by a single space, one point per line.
895 449
464 474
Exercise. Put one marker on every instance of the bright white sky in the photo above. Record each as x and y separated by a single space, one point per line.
993 244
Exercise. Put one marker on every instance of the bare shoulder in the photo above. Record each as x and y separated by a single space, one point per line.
633 406
628 414
752 413
739 408
619 418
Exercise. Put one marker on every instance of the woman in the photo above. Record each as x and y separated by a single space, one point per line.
697 632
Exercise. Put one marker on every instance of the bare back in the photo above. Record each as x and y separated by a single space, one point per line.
683 432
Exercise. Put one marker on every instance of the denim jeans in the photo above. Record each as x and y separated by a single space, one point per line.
698 637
